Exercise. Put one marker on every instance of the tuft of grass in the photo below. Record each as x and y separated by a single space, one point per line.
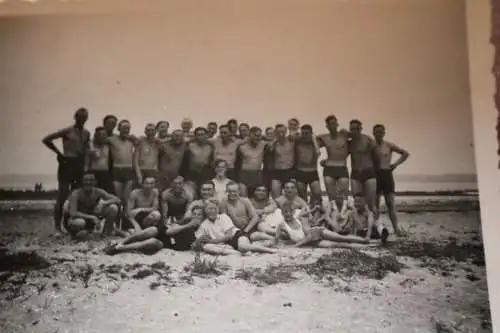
203 267
272 275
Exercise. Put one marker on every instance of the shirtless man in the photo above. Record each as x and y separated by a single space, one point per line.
242 213
87 206
243 131
306 165
186 127
143 206
335 171
162 131
170 156
146 155
98 160
122 155
293 127
233 127
207 191
175 201
76 143
249 161
109 122
290 194
225 148
385 168
212 129
220 180
267 210
217 231
363 163
281 160
197 164
269 134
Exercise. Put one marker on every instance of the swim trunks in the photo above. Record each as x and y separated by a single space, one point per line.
335 172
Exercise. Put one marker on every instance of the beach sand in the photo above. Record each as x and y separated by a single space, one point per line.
306 290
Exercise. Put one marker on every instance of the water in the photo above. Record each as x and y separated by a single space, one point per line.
415 183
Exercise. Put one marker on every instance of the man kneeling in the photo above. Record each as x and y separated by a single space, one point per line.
218 235
87 206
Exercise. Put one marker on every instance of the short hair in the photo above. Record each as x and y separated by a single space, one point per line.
80 110
355 122
178 131
244 125
146 178
291 181
150 125
294 119
379 126
212 123
255 129
223 126
99 128
231 183
109 117
88 174
279 126
232 121
306 127
187 120
219 161
287 205
161 122
123 121
208 182
211 201
269 128
178 179
198 129
330 118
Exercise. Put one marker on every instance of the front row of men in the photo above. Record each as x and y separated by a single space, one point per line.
219 222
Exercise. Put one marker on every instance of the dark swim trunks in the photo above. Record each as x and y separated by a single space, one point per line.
104 180
282 175
335 172
181 241
234 240
306 177
199 177
123 175
385 182
70 170
363 175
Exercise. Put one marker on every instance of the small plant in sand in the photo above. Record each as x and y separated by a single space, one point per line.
273 274
441 326
203 267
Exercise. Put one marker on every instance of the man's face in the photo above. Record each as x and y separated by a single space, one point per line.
287 213
177 137
306 134
212 129
201 135
290 189
110 125
379 133
163 129
332 124
244 131
293 125
355 129
197 213
149 183
221 168
124 128
233 127
280 132
270 134
260 193
101 135
206 191
150 131
186 125
256 136
224 133
178 185
88 182
211 210
233 192
81 117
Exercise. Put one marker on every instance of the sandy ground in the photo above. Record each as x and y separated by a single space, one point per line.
306 290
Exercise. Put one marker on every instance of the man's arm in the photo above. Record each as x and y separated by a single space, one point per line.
238 161
73 207
271 207
48 140
185 161
252 215
109 199
403 155
164 205
137 168
156 200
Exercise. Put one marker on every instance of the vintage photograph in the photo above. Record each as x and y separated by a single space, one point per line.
219 166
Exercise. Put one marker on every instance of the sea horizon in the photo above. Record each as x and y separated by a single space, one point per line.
404 182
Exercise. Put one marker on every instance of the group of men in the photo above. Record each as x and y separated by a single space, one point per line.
159 189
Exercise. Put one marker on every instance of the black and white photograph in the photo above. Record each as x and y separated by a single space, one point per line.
242 166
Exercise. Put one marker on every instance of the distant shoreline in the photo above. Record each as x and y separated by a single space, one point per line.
14 194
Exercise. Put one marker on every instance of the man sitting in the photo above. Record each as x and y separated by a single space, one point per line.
87 206
143 206
175 201
219 236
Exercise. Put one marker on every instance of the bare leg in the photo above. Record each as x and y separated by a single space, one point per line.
370 190
111 214
330 187
260 236
391 208
316 192
264 228
218 250
143 235
275 188
377 201
151 245
330 244
62 194
342 191
119 188
244 245
335 237
356 186
302 189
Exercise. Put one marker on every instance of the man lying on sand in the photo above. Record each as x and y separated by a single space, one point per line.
143 207
300 232
219 236
87 206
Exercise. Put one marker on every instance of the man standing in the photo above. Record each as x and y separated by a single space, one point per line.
293 127
146 155
335 171
171 155
98 160
212 130
186 126
197 164
109 123
76 143
249 161
385 168
281 160
306 165
162 131
225 149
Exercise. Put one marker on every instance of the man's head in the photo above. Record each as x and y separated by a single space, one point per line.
148 183
261 193
178 185
269 133
331 123
200 134
233 126
212 129
186 124
197 213
225 132
220 167
293 125
290 189
306 132
109 122
207 190
211 209
150 130
379 132
88 182
81 116
100 134
124 127
355 128
233 191
244 130
255 135
280 131
287 211
359 201
162 128
177 137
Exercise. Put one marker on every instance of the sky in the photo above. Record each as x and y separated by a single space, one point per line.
400 63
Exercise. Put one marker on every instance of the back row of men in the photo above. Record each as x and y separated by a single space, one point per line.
247 156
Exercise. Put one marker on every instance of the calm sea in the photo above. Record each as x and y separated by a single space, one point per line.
403 183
